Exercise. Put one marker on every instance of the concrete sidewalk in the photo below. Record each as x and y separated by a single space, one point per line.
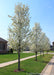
15 61
49 69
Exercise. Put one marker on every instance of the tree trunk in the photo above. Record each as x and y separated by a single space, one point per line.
19 56
47 52
43 53
40 53
36 56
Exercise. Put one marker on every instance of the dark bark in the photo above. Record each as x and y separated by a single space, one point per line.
47 52
36 56
43 53
19 55
40 53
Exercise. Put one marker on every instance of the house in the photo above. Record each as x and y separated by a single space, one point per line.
3 46
52 46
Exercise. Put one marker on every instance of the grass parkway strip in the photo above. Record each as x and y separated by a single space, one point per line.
14 56
15 61
29 66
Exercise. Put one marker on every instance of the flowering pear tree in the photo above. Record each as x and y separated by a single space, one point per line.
41 40
47 44
19 29
44 42
35 36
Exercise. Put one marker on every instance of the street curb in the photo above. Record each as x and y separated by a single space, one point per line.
45 68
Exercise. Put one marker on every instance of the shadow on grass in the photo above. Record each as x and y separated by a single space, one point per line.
42 61
50 63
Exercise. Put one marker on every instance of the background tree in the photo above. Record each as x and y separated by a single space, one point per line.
44 42
41 42
19 29
47 44
35 36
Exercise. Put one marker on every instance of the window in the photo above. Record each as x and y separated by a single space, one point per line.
2 46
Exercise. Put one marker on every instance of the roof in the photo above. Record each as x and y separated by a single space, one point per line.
3 40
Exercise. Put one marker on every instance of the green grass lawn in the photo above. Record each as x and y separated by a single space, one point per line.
9 57
29 65
51 51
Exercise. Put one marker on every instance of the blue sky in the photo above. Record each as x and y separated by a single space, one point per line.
41 11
